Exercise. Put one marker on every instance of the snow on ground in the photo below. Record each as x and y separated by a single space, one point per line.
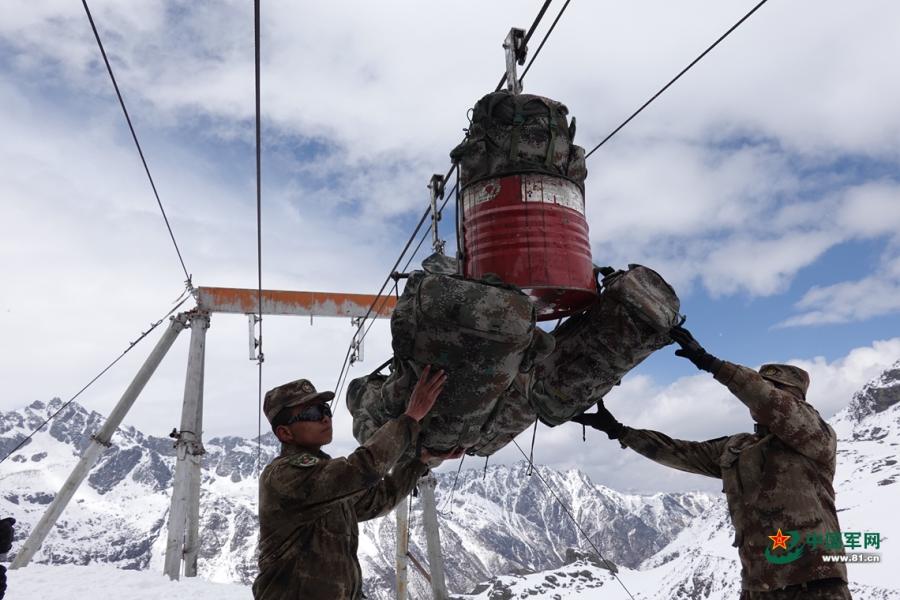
40 582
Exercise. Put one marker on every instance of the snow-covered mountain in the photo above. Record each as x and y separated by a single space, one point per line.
504 535
700 564
499 521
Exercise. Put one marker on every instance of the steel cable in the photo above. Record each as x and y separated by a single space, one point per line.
137 143
676 78
572 518
260 356
543 41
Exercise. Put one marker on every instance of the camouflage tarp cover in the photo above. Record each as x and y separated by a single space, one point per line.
481 333
596 348
491 397
512 134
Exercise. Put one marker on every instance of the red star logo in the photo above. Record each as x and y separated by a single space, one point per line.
779 540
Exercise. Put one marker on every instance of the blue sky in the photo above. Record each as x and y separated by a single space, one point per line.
765 185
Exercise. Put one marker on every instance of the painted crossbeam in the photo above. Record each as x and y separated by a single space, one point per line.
283 302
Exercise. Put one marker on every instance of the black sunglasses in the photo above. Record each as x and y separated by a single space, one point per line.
316 412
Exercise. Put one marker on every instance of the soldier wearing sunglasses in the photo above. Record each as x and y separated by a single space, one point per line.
310 503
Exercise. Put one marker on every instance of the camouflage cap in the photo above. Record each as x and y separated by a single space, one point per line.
787 375
290 394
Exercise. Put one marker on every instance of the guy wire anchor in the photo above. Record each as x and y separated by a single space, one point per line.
436 185
516 51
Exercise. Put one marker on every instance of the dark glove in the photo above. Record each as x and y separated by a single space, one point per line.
693 351
6 534
602 420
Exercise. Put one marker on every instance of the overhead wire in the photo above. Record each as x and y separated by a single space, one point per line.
259 318
676 78
137 144
185 295
572 518
543 41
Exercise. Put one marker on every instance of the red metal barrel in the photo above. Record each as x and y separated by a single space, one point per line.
530 231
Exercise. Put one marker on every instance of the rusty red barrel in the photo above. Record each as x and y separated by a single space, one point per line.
530 230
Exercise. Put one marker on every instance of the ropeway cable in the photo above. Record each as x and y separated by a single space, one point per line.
185 295
572 518
260 356
112 77
676 78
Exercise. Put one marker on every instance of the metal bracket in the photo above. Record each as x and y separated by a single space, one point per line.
357 350
101 442
252 321
516 51
436 185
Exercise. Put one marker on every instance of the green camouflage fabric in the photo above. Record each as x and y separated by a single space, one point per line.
309 507
513 134
596 348
512 415
819 590
481 333
782 480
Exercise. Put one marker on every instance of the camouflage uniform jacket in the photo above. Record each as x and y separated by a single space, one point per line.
780 480
309 507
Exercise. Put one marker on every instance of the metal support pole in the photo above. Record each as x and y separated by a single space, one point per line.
99 442
516 50
183 540
402 512
436 185
433 537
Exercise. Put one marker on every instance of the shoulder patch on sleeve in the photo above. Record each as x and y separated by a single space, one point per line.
303 460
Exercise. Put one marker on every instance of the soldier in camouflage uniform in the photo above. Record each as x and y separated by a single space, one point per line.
310 503
778 479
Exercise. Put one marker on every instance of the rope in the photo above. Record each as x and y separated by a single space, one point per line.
181 300
676 78
449 502
543 41
530 470
260 357
574 521
137 144
528 35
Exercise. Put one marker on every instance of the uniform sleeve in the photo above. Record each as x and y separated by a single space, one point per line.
701 458
336 479
792 420
380 499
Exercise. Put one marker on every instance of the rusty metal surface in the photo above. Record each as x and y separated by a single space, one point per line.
283 302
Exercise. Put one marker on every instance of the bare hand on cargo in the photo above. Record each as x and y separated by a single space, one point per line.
423 396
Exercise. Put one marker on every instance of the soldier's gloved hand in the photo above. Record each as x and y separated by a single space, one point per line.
602 420
6 534
693 351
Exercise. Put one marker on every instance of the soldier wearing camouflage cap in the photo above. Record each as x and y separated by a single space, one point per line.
778 481
310 503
